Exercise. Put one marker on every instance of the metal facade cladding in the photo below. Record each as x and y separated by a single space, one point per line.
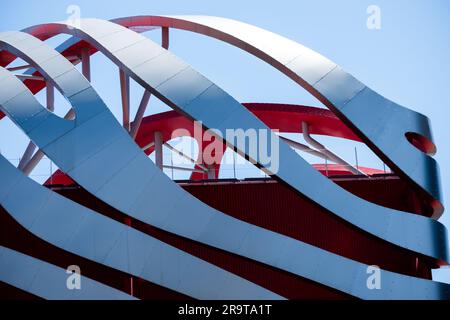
94 150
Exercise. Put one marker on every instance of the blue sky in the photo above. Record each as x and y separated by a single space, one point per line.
406 60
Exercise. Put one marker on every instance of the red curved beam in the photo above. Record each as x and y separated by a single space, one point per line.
44 32
284 117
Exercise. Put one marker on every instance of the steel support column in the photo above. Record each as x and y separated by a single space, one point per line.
86 63
125 94
159 150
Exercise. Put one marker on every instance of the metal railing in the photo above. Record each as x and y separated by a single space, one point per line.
235 170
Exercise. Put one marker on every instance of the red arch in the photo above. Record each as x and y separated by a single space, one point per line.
284 117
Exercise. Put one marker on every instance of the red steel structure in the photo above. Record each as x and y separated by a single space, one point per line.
271 204
262 202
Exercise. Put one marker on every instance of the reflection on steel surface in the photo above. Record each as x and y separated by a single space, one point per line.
86 233
49 281
174 82
94 142
381 123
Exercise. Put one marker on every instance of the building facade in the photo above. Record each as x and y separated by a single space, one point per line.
324 231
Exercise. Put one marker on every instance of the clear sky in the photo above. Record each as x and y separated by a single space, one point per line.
406 60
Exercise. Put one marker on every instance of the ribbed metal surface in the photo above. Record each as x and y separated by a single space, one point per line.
125 179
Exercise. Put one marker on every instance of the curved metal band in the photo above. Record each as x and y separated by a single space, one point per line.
48 281
356 104
81 231
86 233
381 123
82 152
283 117
181 87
